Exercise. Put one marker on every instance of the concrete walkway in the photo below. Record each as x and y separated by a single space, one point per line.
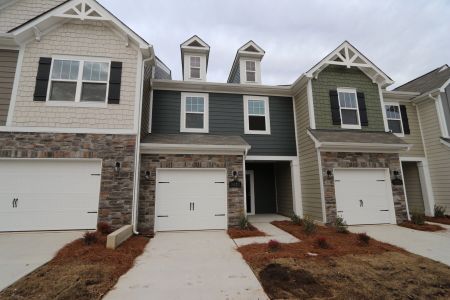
434 245
22 252
189 265
262 222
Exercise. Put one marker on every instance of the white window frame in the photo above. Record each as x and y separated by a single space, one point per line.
199 68
79 81
266 115
205 128
402 134
253 71
349 126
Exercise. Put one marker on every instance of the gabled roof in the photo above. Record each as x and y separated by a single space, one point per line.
197 45
347 55
77 9
432 80
249 49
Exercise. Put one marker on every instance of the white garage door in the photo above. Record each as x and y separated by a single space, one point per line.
49 194
363 196
191 199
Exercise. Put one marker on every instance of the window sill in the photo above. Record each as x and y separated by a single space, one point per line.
76 104
189 130
344 126
399 134
257 132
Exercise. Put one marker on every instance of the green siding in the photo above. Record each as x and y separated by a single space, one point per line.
335 76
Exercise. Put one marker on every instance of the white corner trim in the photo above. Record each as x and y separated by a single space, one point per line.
444 86
296 187
266 115
12 103
150 113
441 117
139 90
205 113
309 94
404 192
149 148
67 130
322 191
383 110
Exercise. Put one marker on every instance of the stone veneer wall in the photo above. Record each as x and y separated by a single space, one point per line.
150 162
331 160
116 191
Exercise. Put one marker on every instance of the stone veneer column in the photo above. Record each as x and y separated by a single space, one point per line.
150 162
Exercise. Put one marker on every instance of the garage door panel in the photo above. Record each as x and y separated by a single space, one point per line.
191 199
51 194
363 196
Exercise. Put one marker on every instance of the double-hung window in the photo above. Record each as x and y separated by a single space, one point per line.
348 107
194 112
394 118
250 70
79 81
256 115
194 62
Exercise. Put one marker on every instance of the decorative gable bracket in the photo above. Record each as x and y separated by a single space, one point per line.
83 11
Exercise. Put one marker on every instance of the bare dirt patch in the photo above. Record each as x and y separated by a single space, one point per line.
443 220
236 233
423 227
348 269
78 271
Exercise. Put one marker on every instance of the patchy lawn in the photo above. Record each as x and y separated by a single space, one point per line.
236 233
78 271
348 269
443 220
423 227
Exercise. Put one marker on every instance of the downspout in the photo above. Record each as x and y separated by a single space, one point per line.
137 158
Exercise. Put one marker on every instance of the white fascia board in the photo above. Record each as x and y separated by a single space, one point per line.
149 148
271 158
216 87
428 95
400 95
13 129
363 147
442 88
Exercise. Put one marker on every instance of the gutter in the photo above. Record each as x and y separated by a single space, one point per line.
137 158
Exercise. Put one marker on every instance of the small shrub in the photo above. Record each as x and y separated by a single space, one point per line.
273 245
322 243
296 219
244 224
363 238
439 211
104 228
418 218
308 225
340 225
90 238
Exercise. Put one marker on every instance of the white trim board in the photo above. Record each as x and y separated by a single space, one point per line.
270 158
67 130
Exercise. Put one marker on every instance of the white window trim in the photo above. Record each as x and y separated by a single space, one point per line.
254 71
77 102
401 118
199 68
205 128
349 126
266 115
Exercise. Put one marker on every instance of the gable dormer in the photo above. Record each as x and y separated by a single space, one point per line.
194 59
246 67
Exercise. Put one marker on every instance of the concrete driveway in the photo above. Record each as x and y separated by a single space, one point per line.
434 245
189 265
21 253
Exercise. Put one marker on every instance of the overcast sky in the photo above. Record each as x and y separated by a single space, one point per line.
405 38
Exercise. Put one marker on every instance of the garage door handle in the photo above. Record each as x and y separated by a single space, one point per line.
14 202
219 215
361 203
91 212
163 216
384 209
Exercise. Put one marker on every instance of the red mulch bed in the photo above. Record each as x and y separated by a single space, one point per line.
237 233
339 244
424 227
443 220
78 271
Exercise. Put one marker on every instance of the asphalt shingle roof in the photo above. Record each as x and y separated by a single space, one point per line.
427 82
194 139
354 136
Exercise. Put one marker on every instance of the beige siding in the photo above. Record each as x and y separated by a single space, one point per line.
415 137
438 155
8 62
284 188
309 166
22 11
92 39
413 187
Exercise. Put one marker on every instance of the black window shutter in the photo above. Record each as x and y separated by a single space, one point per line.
405 119
42 77
334 102
115 79
362 109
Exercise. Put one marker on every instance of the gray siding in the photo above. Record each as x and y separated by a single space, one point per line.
8 62
413 187
235 75
445 97
284 188
226 117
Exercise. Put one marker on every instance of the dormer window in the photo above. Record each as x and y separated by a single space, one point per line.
195 67
250 70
